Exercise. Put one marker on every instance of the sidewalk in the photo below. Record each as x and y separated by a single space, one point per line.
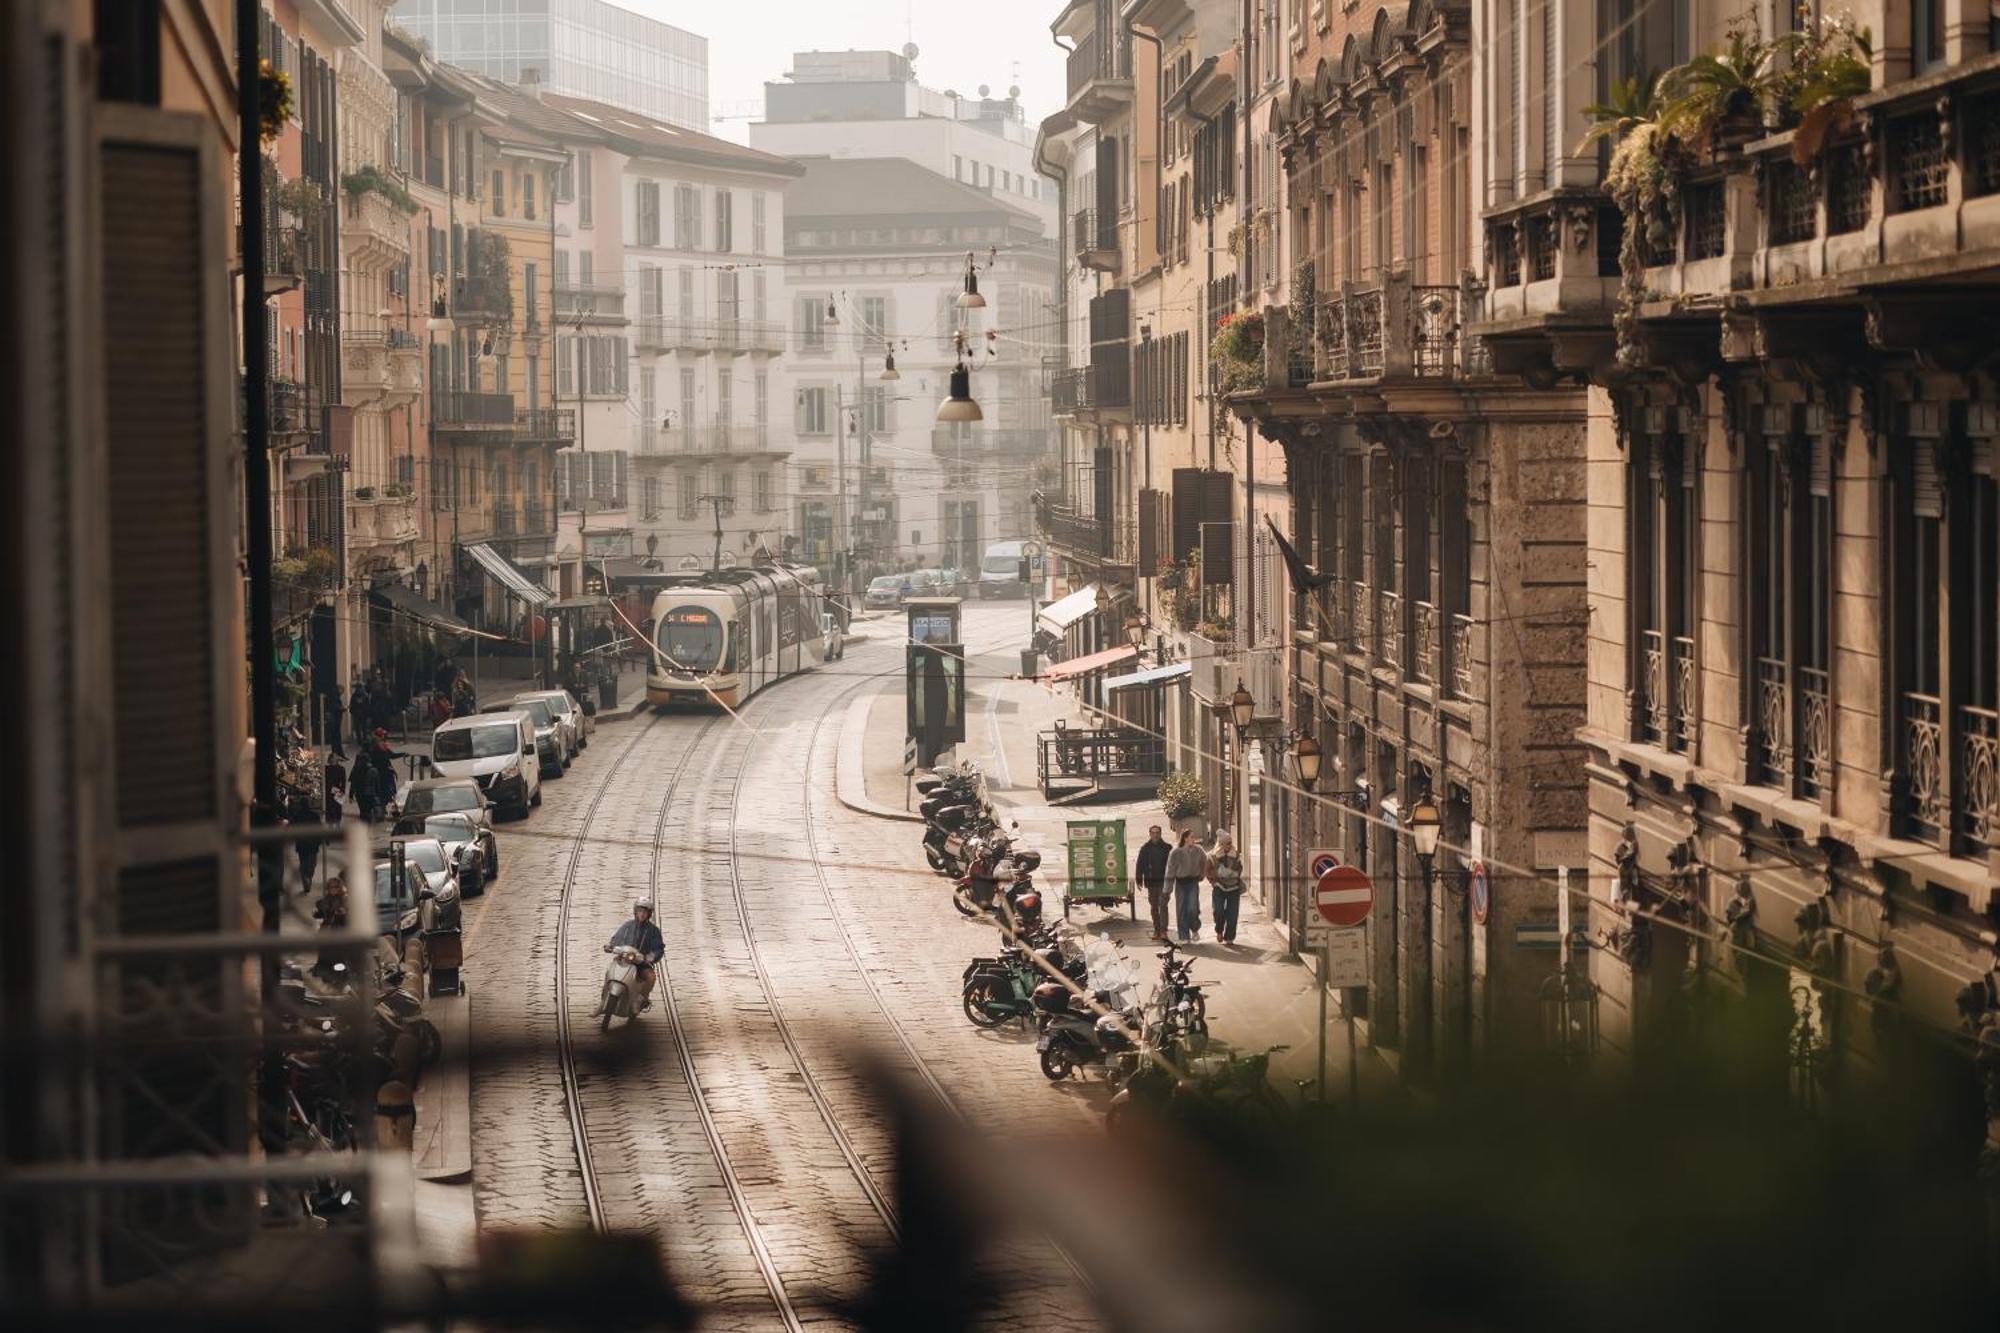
1261 994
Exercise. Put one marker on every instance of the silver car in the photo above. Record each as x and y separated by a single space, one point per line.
575 723
471 849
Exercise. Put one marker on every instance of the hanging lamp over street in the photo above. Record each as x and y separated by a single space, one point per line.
970 299
889 371
832 315
1306 755
1425 827
960 405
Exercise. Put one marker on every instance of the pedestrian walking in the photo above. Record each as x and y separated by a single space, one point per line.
1187 866
357 715
366 783
463 702
1149 872
443 676
335 790
1225 873
334 718
304 811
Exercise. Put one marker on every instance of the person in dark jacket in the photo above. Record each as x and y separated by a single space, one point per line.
335 790
335 717
640 933
358 715
383 760
1150 874
366 783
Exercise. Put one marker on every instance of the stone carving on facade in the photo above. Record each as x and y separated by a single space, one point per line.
1739 920
1817 948
1884 987
1632 938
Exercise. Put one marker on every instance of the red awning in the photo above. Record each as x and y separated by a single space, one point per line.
1077 666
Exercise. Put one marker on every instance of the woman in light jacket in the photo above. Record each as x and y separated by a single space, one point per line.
1187 865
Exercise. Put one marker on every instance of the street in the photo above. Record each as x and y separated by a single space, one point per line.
740 1129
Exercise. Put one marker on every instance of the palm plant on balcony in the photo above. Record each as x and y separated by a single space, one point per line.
1830 63
274 100
302 198
1236 353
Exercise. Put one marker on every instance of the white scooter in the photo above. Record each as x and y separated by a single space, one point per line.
621 986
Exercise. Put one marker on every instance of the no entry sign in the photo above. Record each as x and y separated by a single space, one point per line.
1482 893
1344 896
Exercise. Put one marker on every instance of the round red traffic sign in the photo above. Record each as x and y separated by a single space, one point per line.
1482 893
1344 896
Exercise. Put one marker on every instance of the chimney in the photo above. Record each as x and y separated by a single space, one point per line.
531 81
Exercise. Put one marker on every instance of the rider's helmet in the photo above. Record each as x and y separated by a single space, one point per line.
644 900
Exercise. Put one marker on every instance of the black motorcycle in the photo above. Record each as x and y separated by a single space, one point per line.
1084 1032
1001 989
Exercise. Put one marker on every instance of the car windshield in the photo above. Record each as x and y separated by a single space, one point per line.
559 703
437 800
887 583
690 637
386 896
1001 564
488 742
449 828
537 709
426 855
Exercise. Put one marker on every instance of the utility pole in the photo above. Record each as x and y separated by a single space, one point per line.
716 502
840 537
861 407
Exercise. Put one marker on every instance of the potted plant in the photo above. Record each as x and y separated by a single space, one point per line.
364 492
1236 353
1184 801
274 101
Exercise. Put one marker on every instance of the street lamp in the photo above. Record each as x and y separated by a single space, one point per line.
970 299
889 371
1306 756
1241 705
1425 827
960 406
1135 631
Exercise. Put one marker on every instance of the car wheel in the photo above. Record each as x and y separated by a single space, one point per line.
536 800
492 861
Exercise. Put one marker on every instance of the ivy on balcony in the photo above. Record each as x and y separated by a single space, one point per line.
1236 353
371 179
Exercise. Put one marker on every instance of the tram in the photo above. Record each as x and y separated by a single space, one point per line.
721 635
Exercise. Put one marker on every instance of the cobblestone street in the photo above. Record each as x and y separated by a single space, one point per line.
740 1126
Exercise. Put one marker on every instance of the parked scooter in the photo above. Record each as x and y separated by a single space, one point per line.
1003 988
997 881
620 996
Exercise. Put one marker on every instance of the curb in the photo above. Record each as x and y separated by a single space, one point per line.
849 787
443 1150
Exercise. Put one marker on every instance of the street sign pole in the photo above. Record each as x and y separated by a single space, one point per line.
1353 1061
1325 961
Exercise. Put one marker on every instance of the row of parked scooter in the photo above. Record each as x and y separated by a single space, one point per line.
1091 1004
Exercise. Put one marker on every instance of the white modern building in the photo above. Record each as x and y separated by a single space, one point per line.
870 104
685 238
579 48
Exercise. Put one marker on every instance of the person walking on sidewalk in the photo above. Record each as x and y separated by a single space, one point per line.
1187 866
1225 872
358 715
1150 874
335 717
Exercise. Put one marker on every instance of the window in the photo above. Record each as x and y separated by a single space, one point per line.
687 400
649 212
585 261
813 411
759 237
688 489
760 406
531 288
687 217
874 311
957 167
583 192
686 294
812 322
725 220
875 417
562 267
649 497
725 398
759 308
652 292
528 194
499 200
760 491
1926 35
1663 538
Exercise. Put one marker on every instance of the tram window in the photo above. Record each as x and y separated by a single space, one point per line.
690 637
729 655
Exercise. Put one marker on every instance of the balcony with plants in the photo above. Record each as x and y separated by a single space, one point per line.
375 218
1395 329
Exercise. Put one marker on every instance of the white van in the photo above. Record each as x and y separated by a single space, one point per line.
496 750
1000 570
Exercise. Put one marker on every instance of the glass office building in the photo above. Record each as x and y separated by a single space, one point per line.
581 48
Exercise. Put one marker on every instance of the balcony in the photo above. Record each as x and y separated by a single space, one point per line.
380 519
1396 330
1094 238
1552 283
740 440
288 408
546 425
1951 775
1069 390
978 444
374 233
1463 677
1077 763
1111 541
461 409
1424 653
1099 70
597 303
1390 622
379 369
504 520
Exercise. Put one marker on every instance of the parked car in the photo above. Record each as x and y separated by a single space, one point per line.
569 716
549 741
427 799
488 750
427 858
472 850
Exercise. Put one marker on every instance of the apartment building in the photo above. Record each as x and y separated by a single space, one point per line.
1791 561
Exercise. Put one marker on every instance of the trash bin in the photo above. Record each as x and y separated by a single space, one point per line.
1028 661
607 692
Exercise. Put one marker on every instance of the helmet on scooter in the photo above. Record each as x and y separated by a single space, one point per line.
644 900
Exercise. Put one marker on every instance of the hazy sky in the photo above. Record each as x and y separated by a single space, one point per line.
961 45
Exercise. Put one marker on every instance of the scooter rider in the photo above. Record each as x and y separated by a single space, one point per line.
641 934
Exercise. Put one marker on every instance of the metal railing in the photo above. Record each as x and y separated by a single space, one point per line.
462 407
546 423
1773 715
1390 628
1979 776
1069 389
1653 703
1461 657
1814 745
1924 768
1424 658
1685 692
1083 533
1093 756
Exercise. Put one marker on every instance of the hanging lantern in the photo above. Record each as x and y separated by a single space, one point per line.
832 315
889 371
970 299
960 405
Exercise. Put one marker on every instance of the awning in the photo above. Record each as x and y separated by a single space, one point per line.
1060 614
1079 666
411 603
1158 675
509 574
